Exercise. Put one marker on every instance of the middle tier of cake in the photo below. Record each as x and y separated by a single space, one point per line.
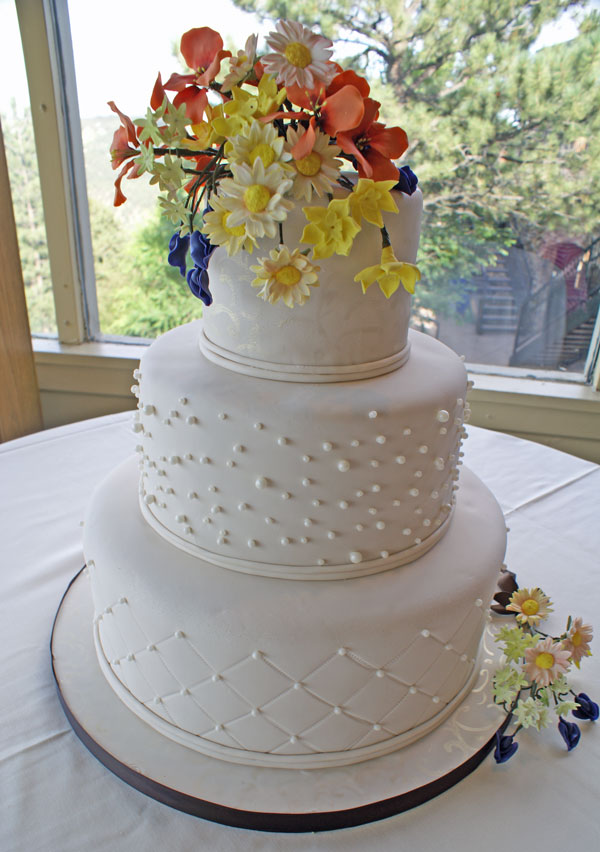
320 480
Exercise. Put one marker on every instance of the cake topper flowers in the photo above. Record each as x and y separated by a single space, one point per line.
245 138
532 685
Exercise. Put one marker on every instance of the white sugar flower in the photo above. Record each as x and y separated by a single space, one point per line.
300 57
318 170
286 275
218 231
257 140
241 65
255 197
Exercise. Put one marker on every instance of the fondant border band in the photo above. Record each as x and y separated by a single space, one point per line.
295 373
318 760
299 572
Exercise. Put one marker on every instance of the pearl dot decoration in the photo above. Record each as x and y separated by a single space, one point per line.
343 465
239 448
285 495
149 409
372 415
261 482
423 449
400 459
355 443
242 507
381 439
355 557
407 432
222 415
343 504
443 416
183 400
327 446
191 420
282 441
258 426
306 458
306 482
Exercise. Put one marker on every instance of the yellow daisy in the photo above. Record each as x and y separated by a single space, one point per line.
578 641
546 661
369 198
257 140
531 605
300 57
220 233
255 197
285 275
318 170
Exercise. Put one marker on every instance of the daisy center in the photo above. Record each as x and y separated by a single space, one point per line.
298 54
530 607
265 152
545 660
576 639
237 230
309 165
288 275
257 197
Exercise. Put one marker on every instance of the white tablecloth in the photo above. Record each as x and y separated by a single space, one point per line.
55 796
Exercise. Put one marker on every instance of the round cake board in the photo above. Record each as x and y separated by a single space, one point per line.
279 800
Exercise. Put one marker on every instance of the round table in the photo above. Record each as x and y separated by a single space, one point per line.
55 796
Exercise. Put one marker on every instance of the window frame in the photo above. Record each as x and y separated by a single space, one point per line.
48 53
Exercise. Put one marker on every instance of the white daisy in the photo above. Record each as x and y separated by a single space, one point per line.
241 65
318 170
301 58
219 232
286 275
257 140
255 197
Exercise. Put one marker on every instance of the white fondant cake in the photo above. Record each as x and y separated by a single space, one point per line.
298 584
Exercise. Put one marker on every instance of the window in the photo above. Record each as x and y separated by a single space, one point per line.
516 312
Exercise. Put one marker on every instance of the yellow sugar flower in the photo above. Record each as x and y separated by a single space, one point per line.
316 171
220 233
369 198
204 131
331 229
285 275
389 274
255 197
244 107
531 605
257 140
578 641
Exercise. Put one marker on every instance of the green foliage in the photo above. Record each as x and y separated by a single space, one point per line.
505 141
29 219
139 294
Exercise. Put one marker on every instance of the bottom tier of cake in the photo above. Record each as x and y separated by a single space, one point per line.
288 673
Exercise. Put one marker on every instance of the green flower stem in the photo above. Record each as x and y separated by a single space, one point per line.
385 238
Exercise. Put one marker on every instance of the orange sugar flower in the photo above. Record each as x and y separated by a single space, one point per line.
158 94
202 49
120 150
127 123
373 145
337 112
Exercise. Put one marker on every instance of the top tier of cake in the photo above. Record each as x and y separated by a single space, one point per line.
340 333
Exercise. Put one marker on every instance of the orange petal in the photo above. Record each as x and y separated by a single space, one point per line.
126 122
381 167
349 78
177 82
303 97
389 141
306 143
200 46
342 111
158 93
213 69
195 101
346 143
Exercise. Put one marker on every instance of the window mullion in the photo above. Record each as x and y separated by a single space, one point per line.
49 62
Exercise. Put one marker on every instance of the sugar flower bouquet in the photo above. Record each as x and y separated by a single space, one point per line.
234 149
532 685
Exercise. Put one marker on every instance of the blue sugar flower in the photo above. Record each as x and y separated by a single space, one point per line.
570 733
505 748
407 180
197 279
178 249
588 709
200 249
